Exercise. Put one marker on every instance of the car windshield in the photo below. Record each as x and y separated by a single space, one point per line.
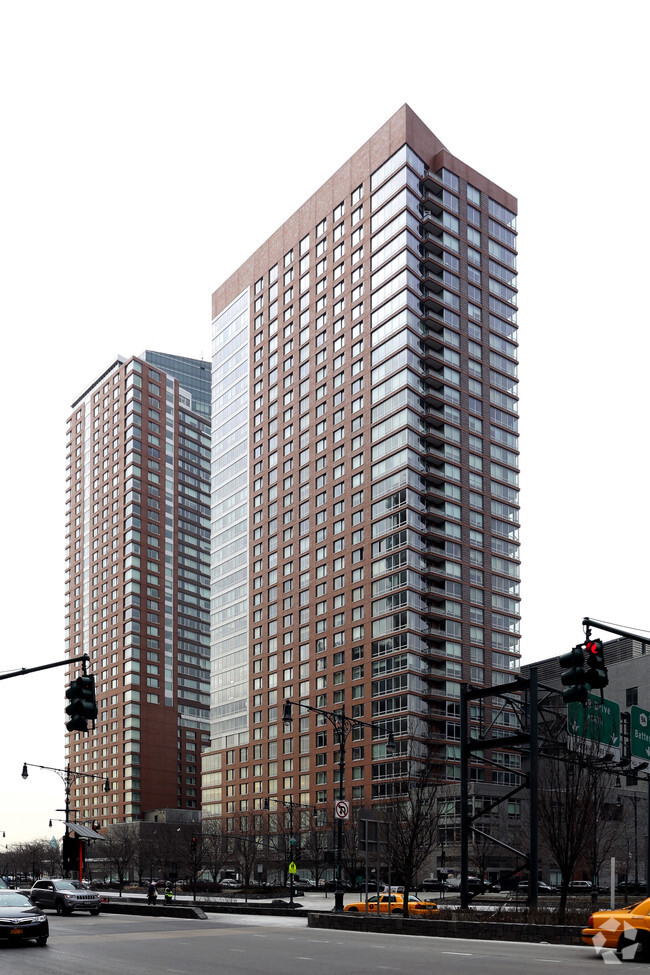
13 899
63 885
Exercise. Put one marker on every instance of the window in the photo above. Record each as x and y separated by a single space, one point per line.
631 696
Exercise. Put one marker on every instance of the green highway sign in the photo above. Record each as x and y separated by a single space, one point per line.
598 722
639 733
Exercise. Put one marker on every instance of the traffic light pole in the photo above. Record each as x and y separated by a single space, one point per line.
614 629
84 660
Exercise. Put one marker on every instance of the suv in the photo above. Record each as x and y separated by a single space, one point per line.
63 897
580 887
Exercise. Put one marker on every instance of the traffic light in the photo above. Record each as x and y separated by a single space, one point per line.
195 843
70 853
575 678
83 705
596 669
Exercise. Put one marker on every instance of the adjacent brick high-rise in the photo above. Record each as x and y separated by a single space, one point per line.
137 583
364 478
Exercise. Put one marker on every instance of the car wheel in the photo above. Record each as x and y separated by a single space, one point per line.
643 954
42 941
94 910
633 946
397 910
353 910
59 907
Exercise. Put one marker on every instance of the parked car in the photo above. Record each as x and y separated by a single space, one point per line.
334 884
542 888
629 887
21 920
230 884
626 929
580 887
432 883
63 897
393 904
304 885
474 884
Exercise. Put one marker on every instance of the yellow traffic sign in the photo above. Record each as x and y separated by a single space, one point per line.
293 868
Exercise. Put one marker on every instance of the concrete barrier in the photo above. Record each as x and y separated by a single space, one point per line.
434 928
125 906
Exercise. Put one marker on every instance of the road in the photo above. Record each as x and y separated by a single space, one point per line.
238 945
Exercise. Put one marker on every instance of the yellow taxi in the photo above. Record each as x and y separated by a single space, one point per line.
625 930
393 904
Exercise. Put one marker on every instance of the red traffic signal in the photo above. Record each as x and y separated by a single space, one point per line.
595 664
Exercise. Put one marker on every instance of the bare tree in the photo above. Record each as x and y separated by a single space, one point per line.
413 816
34 858
574 792
318 848
146 855
484 849
245 843
215 847
119 849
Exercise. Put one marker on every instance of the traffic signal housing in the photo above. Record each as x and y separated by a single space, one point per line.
596 670
70 853
83 704
575 677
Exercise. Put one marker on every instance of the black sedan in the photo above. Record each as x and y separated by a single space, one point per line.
22 920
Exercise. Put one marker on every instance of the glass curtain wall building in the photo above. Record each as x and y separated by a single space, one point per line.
137 592
365 507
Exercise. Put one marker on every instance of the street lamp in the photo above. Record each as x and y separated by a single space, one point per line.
343 725
68 776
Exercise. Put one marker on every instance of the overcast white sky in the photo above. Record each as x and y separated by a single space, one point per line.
149 147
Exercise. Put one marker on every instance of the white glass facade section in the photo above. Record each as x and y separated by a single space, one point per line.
229 525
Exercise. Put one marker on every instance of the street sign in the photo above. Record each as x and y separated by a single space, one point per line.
639 734
597 722
342 809
292 867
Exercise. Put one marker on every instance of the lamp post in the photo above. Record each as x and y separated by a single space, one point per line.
343 724
290 805
68 776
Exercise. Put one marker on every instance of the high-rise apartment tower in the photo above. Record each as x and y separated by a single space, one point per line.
137 589
365 507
